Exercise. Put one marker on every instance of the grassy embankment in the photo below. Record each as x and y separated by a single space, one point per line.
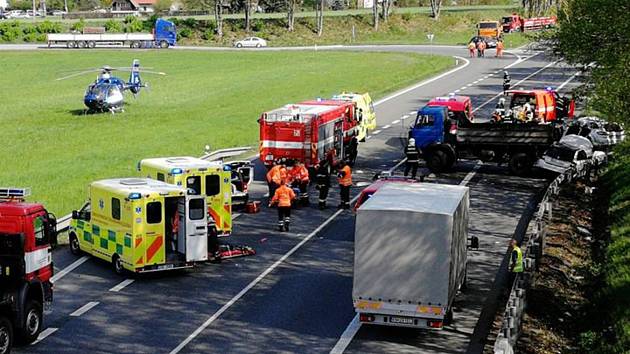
206 98
403 27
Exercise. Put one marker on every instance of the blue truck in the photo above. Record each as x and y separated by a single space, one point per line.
164 35
442 139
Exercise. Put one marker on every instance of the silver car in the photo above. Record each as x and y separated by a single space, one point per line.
252 42
571 150
601 133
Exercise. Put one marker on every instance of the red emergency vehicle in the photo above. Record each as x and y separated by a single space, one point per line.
459 107
308 132
547 104
27 232
516 23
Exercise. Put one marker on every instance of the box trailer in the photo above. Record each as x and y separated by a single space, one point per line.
410 254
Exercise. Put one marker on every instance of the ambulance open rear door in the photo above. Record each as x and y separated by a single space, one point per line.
193 224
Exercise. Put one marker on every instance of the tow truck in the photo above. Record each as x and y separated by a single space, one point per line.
516 23
27 233
141 225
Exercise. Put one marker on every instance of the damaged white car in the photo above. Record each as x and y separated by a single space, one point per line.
601 133
571 150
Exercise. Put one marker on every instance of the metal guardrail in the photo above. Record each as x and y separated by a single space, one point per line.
532 248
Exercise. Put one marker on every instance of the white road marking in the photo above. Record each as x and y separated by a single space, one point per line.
347 336
69 269
376 132
471 174
85 308
45 333
462 88
236 215
122 285
256 281
411 88
404 117
469 85
396 121
368 138
476 81
519 82
412 112
456 91
567 81
387 126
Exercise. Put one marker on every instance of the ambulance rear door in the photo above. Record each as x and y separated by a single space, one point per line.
192 210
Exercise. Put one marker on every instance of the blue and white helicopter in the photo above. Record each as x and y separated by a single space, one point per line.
105 94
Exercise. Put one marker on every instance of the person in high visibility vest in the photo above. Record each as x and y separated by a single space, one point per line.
345 182
471 49
283 197
500 47
298 177
323 183
275 176
516 261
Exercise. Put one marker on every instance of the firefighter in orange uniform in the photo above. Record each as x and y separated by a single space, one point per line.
298 177
345 182
276 175
283 197
500 47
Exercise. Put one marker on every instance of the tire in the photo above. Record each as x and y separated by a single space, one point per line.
6 335
448 318
117 264
33 320
437 161
258 45
75 247
520 164
164 44
81 44
239 45
69 44
135 45
91 44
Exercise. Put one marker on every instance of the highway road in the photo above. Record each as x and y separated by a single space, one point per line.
295 294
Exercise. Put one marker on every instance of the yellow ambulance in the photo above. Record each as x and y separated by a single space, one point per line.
209 178
365 111
141 225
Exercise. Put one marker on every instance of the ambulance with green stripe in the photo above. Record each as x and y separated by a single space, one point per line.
364 111
201 177
141 225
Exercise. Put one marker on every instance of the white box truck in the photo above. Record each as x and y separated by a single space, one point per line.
410 251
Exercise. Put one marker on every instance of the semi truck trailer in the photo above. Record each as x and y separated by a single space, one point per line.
410 254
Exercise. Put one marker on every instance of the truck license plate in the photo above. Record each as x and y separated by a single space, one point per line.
401 320
166 266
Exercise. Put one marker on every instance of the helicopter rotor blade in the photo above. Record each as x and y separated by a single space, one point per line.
77 74
142 71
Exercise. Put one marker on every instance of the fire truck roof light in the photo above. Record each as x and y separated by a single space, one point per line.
9 193
134 196
176 171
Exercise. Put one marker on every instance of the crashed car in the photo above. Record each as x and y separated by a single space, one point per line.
242 177
601 133
571 151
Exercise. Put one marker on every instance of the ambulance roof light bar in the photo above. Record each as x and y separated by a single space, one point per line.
14 193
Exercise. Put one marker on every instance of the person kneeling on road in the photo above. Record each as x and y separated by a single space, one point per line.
298 175
283 197
345 182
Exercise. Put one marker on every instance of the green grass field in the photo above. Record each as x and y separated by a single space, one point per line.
206 98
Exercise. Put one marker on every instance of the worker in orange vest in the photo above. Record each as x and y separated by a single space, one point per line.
298 177
283 197
345 182
500 47
275 176
471 49
481 48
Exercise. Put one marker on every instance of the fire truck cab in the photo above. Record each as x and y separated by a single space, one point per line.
308 132
200 177
27 232
547 105
141 225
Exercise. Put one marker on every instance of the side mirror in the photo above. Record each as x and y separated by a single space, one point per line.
474 243
75 214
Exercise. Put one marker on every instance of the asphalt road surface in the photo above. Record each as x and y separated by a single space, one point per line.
295 294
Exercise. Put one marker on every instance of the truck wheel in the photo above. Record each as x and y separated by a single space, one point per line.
6 335
135 44
163 44
91 44
437 161
32 322
520 164
118 266
75 248
69 44
82 44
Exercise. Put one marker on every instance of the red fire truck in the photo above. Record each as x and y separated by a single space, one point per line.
27 232
515 23
308 132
